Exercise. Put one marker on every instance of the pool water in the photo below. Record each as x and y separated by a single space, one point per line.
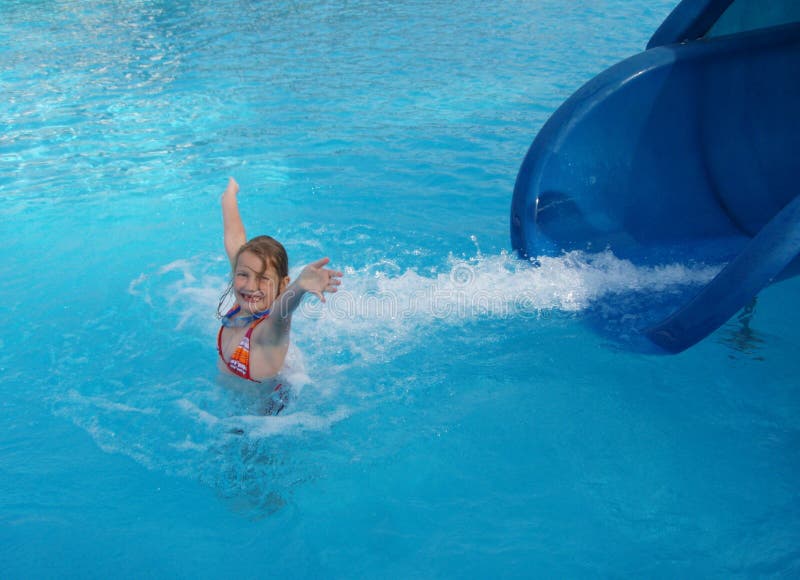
455 412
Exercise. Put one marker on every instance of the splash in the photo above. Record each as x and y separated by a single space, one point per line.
198 427
381 305
499 286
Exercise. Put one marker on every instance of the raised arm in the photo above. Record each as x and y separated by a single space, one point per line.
233 227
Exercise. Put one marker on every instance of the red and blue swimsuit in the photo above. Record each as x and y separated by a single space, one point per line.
239 364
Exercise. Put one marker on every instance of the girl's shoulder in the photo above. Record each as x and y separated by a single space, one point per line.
271 331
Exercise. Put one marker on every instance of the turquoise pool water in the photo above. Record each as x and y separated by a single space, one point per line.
455 415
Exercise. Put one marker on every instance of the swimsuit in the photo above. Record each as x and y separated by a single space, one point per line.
240 359
239 364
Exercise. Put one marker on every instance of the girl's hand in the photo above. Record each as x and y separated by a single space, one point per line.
232 189
317 279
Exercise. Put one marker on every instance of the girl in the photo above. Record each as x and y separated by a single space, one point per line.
254 337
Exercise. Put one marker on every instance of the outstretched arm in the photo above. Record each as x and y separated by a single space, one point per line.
314 279
233 227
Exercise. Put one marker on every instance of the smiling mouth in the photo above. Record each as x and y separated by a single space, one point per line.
251 297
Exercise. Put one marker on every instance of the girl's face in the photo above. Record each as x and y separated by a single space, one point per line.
255 291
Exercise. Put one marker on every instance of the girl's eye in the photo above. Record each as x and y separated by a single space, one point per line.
241 275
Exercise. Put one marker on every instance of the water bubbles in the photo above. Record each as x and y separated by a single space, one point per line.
462 275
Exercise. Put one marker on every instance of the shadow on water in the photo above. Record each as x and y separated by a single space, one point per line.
621 319
739 336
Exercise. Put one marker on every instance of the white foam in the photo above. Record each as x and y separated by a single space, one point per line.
106 439
381 310
495 286
133 289
260 426
106 404
189 445
196 298
383 305
198 414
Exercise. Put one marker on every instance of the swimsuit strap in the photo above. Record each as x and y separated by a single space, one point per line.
256 322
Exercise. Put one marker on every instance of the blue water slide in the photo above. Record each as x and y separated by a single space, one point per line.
688 151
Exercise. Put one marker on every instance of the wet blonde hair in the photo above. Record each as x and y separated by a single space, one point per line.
271 252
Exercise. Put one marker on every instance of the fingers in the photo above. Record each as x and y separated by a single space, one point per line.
325 280
331 284
334 280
